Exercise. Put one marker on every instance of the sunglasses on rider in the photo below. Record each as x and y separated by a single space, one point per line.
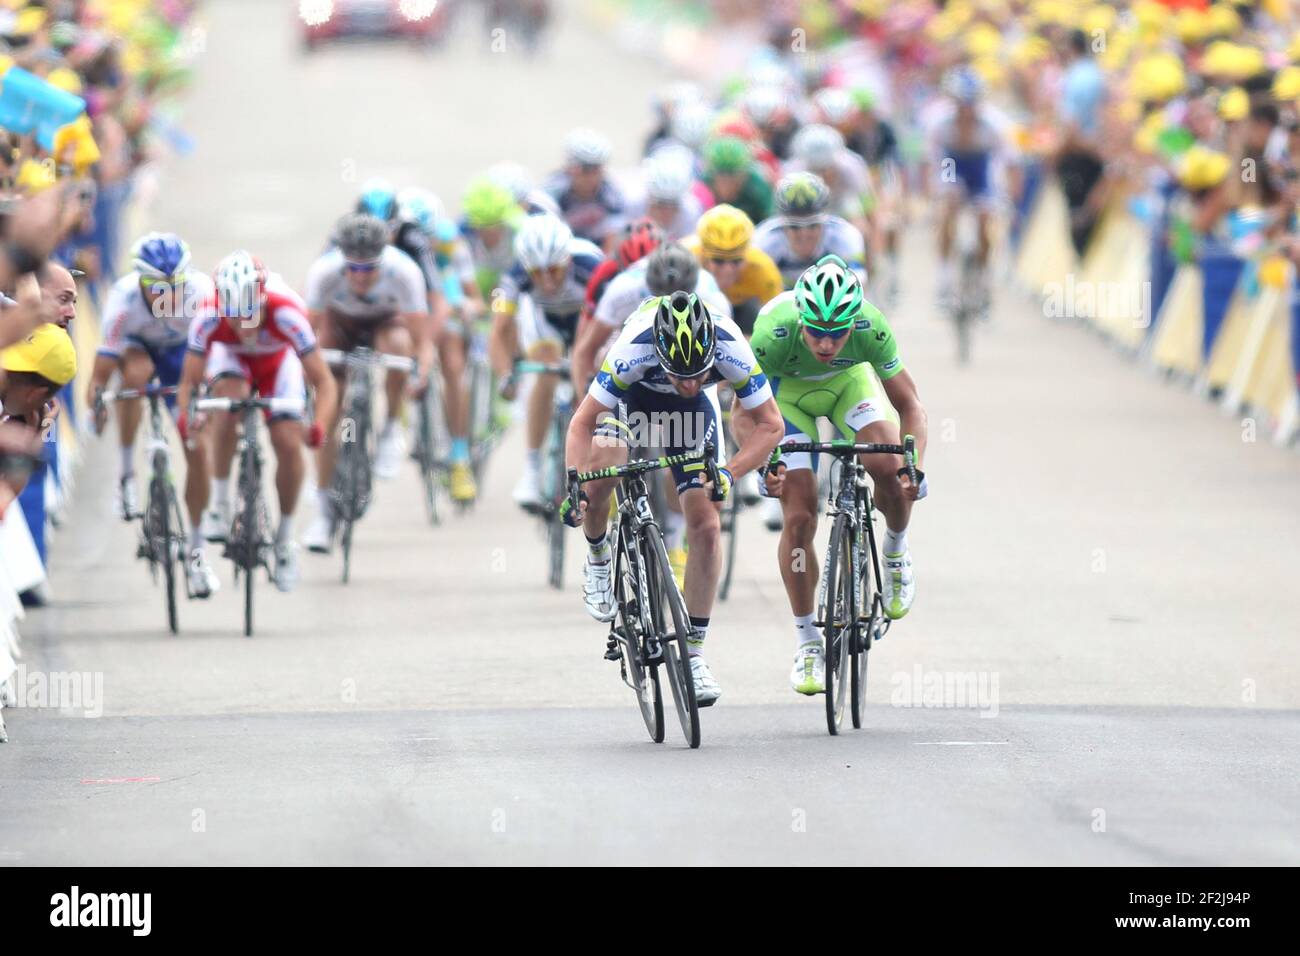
726 260
555 273
157 285
834 335
362 266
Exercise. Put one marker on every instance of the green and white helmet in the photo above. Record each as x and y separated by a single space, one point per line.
828 296
683 335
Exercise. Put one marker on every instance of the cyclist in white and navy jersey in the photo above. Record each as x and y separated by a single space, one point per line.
592 205
804 230
536 310
659 382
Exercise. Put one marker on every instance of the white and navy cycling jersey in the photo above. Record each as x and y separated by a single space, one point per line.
852 195
592 219
627 290
632 364
972 161
399 288
129 321
689 210
560 308
838 237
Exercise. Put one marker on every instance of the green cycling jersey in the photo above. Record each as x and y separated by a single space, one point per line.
778 343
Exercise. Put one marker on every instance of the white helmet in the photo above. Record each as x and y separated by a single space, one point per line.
513 178
668 174
542 242
586 147
817 145
239 279
692 123
761 103
675 94
834 104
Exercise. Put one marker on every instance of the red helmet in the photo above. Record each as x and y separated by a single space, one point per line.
640 238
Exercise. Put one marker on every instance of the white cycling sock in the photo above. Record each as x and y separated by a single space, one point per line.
196 540
390 428
323 502
947 272
285 533
895 541
128 461
599 549
221 491
804 632
533 459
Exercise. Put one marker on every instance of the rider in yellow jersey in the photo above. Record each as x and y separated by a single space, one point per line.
746 274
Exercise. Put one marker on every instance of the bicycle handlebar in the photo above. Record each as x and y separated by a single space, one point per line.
240 404
337 357
126 394
706 455
842 448
541 368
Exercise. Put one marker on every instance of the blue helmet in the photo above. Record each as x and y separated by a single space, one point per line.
379 199
964 85
160 255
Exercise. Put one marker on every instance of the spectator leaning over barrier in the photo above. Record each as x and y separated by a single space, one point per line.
58 289
33 372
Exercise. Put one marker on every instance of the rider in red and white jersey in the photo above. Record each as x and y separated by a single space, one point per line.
255 337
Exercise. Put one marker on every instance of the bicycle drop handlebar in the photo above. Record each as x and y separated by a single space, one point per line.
127 394
273 405
705 455
339 358
842 448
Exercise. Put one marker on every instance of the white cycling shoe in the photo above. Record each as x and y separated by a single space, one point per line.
808 676
320 534
215 525
899 585
388 456
528 490
707 689
202 579
598 590
286 566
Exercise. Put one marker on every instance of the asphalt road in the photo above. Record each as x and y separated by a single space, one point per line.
1103 554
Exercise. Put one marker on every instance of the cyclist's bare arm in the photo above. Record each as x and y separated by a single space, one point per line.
758 430
191 380
901 392
421 329
321 379
577 444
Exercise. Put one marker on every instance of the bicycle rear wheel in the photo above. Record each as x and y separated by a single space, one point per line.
633 629
668 612
553 493
838 617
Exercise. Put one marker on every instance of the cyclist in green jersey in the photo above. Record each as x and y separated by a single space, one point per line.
819 344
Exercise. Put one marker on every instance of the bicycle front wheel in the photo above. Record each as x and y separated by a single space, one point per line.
634 630
162 529
426 452
839 618
672 625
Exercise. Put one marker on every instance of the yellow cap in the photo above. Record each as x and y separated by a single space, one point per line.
1202 167
34 177
1192 26
1232 60
1032 49
1234 104
1158 77
75 145
983 39
1098 19
28 21
47 351
64 79
1223 20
